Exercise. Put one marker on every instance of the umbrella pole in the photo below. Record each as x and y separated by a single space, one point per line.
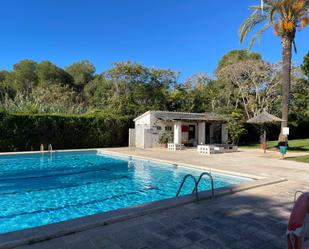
264 141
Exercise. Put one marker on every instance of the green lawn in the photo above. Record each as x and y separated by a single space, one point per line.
303 159
300 145
294 145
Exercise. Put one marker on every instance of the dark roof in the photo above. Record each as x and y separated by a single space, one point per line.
187 116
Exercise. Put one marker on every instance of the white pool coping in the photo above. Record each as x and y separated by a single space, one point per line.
63 228
185 165
45 151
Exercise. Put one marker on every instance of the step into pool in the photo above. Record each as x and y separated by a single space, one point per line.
38 189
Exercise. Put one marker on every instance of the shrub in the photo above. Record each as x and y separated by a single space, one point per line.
47 99
235 127
164 138
23 132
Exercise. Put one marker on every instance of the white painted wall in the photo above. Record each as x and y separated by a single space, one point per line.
152 119
140 125
157 133
139 136
177 133
132 136
147 139
144 120
146 133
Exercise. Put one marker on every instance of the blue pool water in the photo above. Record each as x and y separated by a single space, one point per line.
37 190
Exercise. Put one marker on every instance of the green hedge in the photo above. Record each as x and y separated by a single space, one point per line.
298 130
24 132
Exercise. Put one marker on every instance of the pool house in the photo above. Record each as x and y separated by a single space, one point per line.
181 128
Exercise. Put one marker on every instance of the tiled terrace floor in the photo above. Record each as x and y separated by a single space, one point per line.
254 218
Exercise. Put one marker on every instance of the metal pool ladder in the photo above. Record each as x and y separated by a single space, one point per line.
196 183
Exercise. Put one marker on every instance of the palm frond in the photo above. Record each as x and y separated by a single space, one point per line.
250 23
285 15
259 8
272 14
259 34
271 2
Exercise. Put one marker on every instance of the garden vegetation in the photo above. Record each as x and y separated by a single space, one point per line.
76 107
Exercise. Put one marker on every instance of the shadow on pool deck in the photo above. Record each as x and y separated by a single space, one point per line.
255 218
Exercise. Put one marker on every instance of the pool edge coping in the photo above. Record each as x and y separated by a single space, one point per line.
65 228
199 167
45 151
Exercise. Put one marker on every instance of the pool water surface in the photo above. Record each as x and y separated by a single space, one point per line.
38 189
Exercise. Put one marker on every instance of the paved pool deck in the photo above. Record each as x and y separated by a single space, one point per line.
255 218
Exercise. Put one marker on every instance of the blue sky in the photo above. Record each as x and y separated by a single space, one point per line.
188 36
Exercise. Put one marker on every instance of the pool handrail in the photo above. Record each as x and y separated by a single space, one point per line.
211 180
183 182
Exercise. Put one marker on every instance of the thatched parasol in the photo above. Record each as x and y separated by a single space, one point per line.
262 118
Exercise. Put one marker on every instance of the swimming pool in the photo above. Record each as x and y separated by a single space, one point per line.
38 189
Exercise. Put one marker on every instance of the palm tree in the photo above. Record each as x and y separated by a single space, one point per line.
285 16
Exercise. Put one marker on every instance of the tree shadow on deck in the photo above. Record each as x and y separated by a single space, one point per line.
253 219
240 220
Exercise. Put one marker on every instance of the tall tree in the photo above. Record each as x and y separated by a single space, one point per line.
125 75
255 84
7 88
285 16
25 76
300 92
82 72
130 89
197 95
229 95
48 74
305 65
237 55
